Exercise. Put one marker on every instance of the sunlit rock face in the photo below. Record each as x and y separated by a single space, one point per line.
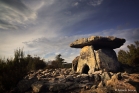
99 42
75 64
87 61
107 60
97 54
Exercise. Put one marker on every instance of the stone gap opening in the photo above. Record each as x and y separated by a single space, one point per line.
85 69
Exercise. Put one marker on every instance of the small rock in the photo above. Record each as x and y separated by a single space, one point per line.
91 77
119 77
75 85
94 87
85 81
101 84
97 77
37 86
88 87
59 86
84 77
77 79
105 76
98 72
69 78
111 73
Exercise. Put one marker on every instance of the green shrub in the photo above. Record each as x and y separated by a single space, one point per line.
59 63
13 70
130 57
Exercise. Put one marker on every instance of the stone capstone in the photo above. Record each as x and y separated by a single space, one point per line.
99 42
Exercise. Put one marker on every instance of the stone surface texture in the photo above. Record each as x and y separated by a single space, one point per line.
97 54
99 42
75 64
107 60
77 83
86 60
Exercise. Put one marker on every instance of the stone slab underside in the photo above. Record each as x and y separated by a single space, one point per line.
87 57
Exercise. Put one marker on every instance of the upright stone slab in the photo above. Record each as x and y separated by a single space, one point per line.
107 60
75 64
87 60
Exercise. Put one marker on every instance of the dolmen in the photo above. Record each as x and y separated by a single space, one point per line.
97 54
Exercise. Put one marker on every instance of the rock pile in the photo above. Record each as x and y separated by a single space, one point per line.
97 54
63 81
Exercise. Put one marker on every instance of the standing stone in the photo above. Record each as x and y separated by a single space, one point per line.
86 62
74 64
107 60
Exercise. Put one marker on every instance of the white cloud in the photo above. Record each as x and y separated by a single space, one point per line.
38 4
49 47
75 4
95 2
11 17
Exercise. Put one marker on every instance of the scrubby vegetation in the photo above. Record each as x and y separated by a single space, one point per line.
131 56
13 70
59 63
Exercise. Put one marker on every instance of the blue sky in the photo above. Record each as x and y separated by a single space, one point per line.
47 27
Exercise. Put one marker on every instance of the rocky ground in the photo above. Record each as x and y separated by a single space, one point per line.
64 81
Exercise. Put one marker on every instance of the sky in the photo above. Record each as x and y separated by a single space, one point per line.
47 27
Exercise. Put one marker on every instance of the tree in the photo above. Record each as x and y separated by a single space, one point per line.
58 62
59 59
130 57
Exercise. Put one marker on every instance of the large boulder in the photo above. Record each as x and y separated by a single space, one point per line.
99 42
25 84
107 60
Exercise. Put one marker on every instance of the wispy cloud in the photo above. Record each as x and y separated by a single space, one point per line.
47 27
75 4
95 2
48 47
14 13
